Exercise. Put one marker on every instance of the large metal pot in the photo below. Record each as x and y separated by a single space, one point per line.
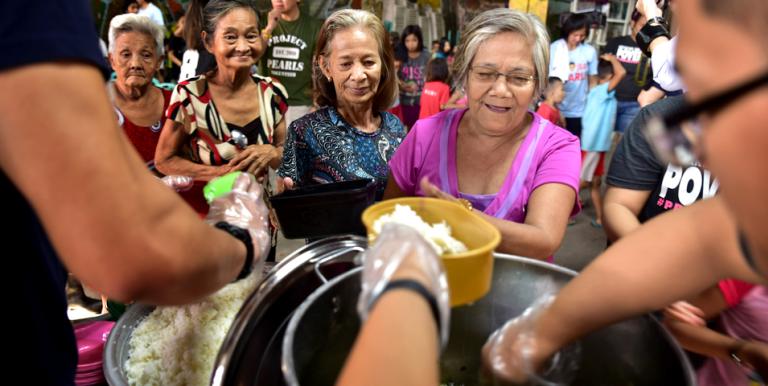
634 352
250 353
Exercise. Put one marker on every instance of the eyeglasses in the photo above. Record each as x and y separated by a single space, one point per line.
675 136
487 76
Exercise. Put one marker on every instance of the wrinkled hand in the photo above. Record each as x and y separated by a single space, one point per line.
178 183
399 252
431 190
686 313
254 159
514 355
244 207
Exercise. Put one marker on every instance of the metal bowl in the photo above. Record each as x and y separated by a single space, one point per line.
117 348
635 352
261 317
251 351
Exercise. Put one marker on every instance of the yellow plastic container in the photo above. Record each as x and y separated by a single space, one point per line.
469 273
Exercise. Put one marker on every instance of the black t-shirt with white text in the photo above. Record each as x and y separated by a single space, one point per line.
638 67
635 166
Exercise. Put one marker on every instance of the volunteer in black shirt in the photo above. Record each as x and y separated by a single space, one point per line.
638 76
76 195
640 186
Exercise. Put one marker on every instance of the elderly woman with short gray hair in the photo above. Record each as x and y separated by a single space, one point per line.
497 157
135 53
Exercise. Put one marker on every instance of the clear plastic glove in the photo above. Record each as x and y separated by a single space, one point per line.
238 199
510 354
401 253
686 313
178 183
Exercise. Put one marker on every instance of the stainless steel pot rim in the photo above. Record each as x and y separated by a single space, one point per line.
287 363
311 253
288 340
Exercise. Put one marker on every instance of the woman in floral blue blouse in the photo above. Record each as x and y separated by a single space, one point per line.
351 136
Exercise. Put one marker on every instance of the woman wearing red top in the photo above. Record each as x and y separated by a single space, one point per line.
135 53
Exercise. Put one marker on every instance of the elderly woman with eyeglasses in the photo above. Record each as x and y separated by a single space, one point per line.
500 159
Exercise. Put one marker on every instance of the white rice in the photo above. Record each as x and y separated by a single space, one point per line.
178 345
438 235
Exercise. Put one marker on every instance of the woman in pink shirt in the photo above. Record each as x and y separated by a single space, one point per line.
518 171
737 343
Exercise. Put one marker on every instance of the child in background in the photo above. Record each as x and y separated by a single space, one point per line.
553 94
435 48
395 109
597 128
411 75
436 92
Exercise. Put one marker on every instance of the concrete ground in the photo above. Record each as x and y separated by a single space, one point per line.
582 242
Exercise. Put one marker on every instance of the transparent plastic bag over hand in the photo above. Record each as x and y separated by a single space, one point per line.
178 183
508 355
243 206
401 252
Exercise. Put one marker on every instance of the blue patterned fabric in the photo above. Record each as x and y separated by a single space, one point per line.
322 147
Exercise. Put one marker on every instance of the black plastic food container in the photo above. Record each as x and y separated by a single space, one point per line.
324 209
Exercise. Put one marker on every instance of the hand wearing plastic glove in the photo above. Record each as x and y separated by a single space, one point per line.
178 183
400 252
237 199
685 312
513 355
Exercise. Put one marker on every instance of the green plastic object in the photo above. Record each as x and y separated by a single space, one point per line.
220 186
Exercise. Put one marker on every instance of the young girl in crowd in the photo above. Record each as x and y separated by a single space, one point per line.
445 51
553 95
436 92
412 73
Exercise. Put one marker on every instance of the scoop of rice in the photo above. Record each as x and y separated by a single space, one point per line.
178 345
438 235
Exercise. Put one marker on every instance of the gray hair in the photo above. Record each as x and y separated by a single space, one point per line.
130 22
325 93
493 22
217 9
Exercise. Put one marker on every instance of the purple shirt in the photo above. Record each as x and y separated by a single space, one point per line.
548 154
747 320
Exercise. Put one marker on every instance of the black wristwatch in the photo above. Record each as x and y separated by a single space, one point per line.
242 235
654 28
418 288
